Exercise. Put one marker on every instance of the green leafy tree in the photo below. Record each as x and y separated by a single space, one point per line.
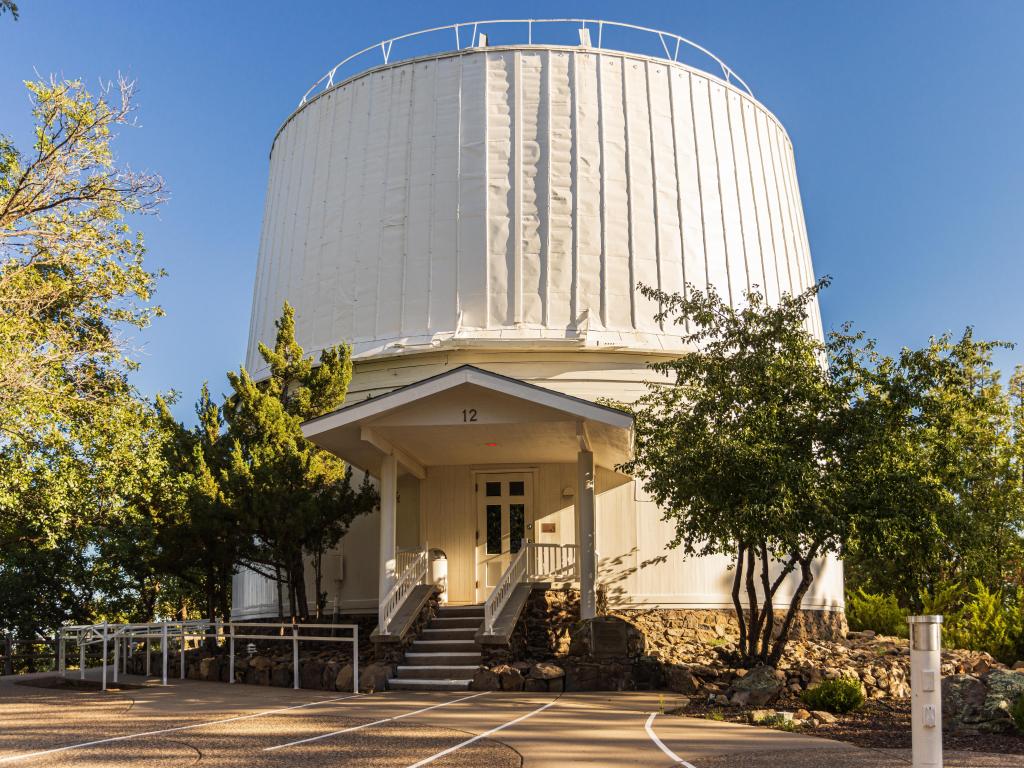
738 446
295 499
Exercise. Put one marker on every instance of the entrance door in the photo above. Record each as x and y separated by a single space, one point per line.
504 523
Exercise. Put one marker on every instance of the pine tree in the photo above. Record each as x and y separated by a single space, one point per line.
295 499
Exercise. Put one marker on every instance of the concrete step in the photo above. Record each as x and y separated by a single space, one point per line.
436 672
461 633
396 684
413 659
443 646
455 622
461 610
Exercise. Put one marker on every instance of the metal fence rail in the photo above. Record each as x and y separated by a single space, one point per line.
468 34
124 638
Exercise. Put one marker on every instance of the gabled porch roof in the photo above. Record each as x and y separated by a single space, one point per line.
471 416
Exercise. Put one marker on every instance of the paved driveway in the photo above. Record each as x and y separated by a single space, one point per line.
213 724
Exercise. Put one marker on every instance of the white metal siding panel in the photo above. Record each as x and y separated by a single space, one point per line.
502 230
559 139
471 264
394 237
420 201
534 168
711 197
444 203
731 222
770 286
666 186
643 238
588 209
745 192
764 130
688 179
617 281
318 290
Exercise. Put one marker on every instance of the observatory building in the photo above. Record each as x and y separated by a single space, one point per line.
473 209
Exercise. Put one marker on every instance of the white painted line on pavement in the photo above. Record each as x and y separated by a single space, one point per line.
368 725
27 756
483 735
661 745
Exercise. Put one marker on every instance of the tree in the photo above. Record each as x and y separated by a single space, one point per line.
945 480
295 499
11 6
72 280
737 445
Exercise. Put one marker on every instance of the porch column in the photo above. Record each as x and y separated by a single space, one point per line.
388 507
587 532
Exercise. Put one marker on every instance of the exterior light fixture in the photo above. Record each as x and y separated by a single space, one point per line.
491 445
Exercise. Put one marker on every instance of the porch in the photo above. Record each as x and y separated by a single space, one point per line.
498 473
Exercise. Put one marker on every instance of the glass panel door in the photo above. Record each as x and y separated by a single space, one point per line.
505 523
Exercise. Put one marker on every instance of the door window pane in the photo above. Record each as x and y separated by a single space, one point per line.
493 489
517 488
494 529
516 526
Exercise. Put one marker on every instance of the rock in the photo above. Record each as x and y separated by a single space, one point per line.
758 716
681 680
311 672
343 682
485 680
1018 665
281 676
260 663
536 686
209 669
1004 688
511 679
374 677
824 717
557 685
801 714
762 685
546 671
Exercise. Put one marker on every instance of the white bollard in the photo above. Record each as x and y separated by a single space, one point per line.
231 653
926 690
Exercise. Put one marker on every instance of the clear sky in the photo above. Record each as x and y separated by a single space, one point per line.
907 120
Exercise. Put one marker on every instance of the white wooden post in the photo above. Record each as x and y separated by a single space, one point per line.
104 656
81 655
149 651
182 650
231 653
355 659
388 512
117 656
163 648
61 661
585 517
295 657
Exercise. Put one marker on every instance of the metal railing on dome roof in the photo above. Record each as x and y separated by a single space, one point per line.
467 34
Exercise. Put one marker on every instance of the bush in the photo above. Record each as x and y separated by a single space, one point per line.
1017 713
839 696
879 613
980 619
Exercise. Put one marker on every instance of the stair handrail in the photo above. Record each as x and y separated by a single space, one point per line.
518 571
414 574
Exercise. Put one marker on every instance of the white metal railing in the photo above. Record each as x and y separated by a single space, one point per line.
466 34
125 637
413 574
533 562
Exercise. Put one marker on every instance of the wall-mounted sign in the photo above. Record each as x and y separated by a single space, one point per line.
547 527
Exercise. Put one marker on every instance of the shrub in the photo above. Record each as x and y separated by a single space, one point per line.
839 696
879 613
980 619
1017 713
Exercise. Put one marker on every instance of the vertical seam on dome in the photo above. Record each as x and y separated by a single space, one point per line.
517 188
604 192
768 208
544 221
721 197
773 143
654 181
429 317
700 182
750 171
736 181
678 178
574 169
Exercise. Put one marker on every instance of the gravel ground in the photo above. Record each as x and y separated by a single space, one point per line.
877 725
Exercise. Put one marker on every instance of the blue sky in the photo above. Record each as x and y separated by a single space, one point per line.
906 118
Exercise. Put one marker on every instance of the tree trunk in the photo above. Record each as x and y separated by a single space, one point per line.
737 606
806 578
769 602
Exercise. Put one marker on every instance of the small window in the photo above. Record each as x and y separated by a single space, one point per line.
492 489
516 526
517 488
494 529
